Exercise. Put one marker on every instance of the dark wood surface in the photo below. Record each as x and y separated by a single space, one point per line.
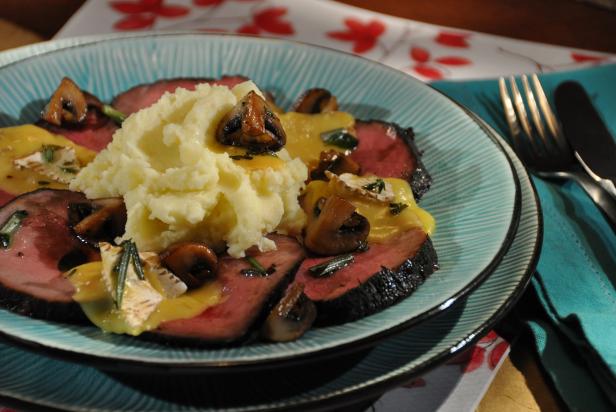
565 22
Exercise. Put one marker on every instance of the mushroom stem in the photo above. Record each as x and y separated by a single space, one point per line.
67 104
337 228
316 100
192 262
102 220
335 162
291 317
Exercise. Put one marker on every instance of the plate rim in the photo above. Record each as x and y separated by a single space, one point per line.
356 396
110 362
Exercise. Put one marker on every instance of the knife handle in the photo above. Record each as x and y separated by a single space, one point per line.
600 196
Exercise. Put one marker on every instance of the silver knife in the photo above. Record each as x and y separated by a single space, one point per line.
583 127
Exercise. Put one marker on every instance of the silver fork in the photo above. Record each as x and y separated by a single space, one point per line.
540 143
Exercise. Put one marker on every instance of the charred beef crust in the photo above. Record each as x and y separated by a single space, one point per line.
380 291
250 336
23 304
419 178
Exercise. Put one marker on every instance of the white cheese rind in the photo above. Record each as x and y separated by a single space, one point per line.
63 168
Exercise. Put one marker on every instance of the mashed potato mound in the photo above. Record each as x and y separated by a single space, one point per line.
179 184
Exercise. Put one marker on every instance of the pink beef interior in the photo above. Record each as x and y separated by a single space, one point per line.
244 296
30 264
381 151
140 97
391 255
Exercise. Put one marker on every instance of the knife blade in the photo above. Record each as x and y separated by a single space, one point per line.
583 127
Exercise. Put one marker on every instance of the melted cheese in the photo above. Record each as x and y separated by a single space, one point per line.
383 224
21 141
98 305
304 132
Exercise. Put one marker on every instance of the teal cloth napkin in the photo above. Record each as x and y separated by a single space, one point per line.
575 281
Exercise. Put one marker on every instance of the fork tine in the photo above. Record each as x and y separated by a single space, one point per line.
514 127
549 115
534 111
519 107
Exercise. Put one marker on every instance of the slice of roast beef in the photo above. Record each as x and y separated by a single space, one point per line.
388 150
144 95
378 278
31 281
246 299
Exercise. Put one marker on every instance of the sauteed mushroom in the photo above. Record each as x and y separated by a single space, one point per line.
316 101
335 162
252 124
337 228
192 262
291 317
67 105
101 220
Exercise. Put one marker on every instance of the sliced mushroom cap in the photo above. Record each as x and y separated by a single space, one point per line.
192 262
337 228
334 162
99 221
67 105
291 317
316 101
253 125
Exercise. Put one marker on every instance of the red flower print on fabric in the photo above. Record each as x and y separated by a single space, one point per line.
422 58
497 353
143 13
452 39
478 355
587 58
489 338
270 20
364 36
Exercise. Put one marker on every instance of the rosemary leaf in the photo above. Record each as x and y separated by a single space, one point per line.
121 269
113 114
331 266
341 138
377 186
48 151
12 224
397 208
241 157
136 260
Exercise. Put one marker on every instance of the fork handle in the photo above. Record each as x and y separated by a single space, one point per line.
598 194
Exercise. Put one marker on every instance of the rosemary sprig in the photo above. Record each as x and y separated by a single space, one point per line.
241 157
10 227
48 151
341 138
377 186
331 266
136 260
113 114
256 268
397 208
121 269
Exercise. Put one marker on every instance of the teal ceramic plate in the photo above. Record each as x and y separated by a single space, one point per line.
42 381
474 197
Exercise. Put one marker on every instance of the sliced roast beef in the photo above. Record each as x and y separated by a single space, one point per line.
246 298
387 150
41 249
5 197
142 96
378 278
